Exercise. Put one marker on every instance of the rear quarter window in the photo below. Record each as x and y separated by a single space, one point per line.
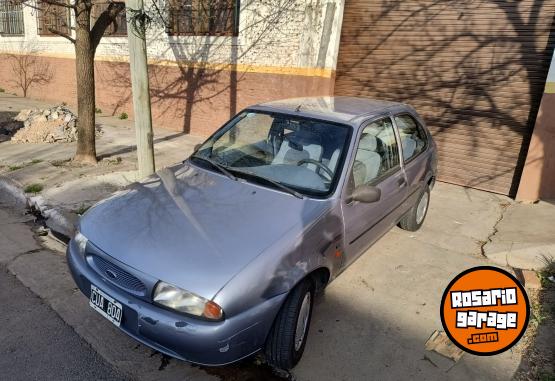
413 137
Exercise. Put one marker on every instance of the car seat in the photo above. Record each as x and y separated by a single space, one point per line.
297 146
368 161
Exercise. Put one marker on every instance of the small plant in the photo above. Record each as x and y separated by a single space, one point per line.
97 110
115 161
547 272
60 163
16 167
123 116
33 188
2 90
64 103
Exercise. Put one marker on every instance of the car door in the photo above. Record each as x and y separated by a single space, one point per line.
375 162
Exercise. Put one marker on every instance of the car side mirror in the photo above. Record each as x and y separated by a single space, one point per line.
366 194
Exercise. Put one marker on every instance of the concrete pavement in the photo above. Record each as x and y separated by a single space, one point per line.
524 237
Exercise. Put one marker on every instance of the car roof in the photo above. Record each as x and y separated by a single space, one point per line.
352 110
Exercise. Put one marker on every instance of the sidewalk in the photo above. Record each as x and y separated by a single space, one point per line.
70 188
524 238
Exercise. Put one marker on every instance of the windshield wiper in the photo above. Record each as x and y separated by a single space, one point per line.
220 167
273 182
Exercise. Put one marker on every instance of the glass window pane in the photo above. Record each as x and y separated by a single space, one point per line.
413 137
377 152
198 17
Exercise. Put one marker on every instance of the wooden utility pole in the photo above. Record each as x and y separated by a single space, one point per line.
140 87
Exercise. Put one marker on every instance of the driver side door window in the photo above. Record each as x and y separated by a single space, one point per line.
377 153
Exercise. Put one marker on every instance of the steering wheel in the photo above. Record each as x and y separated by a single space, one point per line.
324 167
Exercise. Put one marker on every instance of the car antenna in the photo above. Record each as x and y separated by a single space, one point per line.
298 108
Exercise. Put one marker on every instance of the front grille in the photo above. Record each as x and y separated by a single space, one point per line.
118 276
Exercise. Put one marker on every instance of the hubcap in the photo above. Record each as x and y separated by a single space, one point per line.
302 321
421 208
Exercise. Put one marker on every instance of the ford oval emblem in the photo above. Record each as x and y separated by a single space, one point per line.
111 274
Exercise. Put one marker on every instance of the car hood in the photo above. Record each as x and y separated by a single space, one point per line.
194 228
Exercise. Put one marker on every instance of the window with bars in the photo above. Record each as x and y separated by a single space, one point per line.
11 18
203 18
119 26
52 17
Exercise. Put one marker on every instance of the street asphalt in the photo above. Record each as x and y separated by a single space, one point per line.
36 344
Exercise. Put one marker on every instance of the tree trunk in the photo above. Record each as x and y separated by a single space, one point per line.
84 66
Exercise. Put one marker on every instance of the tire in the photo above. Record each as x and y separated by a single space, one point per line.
282 349
413 219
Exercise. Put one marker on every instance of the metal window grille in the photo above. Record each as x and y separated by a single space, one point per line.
11 18
52 17
203 18
119 26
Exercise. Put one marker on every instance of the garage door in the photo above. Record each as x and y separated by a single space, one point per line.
475 70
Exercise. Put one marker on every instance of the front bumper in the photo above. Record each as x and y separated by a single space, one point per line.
182 337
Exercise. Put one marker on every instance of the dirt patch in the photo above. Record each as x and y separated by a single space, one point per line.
8 126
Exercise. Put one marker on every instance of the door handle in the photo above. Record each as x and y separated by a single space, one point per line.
401 182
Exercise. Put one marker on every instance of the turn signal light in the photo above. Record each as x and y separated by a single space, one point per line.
212 311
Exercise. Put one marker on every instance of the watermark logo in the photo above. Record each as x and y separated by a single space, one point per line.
485 310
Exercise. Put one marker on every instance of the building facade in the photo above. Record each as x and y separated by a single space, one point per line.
199 75
476 71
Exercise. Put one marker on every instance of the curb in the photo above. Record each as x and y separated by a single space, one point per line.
61 222
11 192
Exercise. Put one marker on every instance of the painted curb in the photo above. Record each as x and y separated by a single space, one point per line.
59 220
11 192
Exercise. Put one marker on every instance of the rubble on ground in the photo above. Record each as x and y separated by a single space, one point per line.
54 125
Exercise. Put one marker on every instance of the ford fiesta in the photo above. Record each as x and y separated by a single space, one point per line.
219 257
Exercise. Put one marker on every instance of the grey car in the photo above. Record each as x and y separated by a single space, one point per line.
220 257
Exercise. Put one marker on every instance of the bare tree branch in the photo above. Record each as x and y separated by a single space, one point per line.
62 34
29 69
104 20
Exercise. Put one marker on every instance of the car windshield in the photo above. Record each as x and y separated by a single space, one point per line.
278 150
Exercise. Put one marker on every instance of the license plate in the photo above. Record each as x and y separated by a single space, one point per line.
106 305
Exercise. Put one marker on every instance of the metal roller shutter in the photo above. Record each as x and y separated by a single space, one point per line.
474 70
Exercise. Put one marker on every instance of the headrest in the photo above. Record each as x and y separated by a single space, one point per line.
300 139
368 142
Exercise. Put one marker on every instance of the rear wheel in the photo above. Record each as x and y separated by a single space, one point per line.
286 341
413 220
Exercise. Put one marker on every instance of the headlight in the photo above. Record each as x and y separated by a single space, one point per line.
180 300
80 242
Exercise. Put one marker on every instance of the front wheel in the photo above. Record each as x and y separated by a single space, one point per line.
286 341
413 220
